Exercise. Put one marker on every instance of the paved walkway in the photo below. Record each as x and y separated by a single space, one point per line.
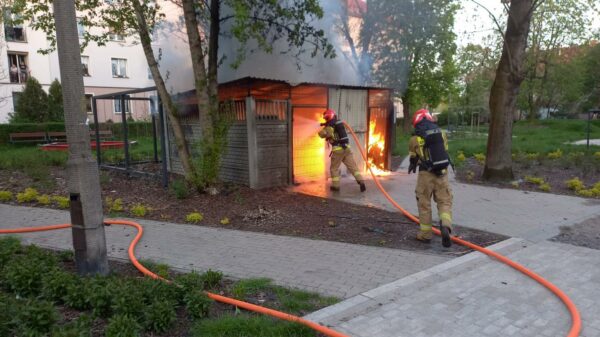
529 215
330 268
476 296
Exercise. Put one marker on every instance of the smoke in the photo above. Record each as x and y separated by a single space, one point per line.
285 67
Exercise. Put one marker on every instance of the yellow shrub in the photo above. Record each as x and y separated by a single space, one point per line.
29 195
515 184
140 210
470 175
532 156
586 193
597 155
225 221
575 184
545 187
556 154
480 157
194 217
6 195
43 199
534 180
114 205
461 156
61 202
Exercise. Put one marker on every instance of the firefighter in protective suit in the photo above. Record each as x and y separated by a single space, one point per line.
335 133
428 149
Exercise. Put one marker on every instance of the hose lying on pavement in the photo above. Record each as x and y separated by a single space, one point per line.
575 317
131 252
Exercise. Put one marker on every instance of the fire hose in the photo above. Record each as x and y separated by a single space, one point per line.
575 316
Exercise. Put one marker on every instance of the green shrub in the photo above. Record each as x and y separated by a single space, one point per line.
460 157
556 154
99 295
8 311
197 304
160 316
156 290
532 156
114 205
194 217
480 157
575 184
212 279
127 298
82 327
9 246
29 195
534 180
33 105
6 196
22 276
140 210
36 318
190 282
545 187
55 285
180 189
76 295
122 326
249 326
62 202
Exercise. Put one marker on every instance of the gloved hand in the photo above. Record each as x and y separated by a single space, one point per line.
413 165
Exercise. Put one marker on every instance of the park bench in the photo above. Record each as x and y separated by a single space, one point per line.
28 137
62 136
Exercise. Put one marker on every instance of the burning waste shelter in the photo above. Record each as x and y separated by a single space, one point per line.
272 138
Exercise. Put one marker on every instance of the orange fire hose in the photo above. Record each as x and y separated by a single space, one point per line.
131 252
575 317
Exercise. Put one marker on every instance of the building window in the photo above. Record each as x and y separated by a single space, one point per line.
18 69
114 35
15 97
13 27
119 67
88 103
85 65
153 104
80 28
117 104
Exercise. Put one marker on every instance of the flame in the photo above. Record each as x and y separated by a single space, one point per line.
308 149
376 149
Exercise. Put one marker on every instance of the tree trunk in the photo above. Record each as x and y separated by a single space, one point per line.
503 96
165 97
89 241
213 58
201 79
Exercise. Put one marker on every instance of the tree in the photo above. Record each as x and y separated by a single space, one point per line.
32 106
87 221
55 102
410 46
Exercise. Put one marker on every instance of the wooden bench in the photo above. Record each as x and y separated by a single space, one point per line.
62 136
28 137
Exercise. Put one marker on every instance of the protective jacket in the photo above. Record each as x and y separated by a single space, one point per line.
429 148
335 133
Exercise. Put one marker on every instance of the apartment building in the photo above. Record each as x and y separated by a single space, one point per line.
117 66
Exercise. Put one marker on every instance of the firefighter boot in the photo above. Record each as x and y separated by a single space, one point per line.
446 240
363 187
334 188
425 234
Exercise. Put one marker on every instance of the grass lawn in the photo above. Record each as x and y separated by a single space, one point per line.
40 295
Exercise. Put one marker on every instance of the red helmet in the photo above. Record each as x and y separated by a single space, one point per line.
329 114
419 115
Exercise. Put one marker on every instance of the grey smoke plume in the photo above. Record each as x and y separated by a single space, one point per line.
285 67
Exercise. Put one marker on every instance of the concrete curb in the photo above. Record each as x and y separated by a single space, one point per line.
373 298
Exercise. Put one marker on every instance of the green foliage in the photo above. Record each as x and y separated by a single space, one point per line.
480 157
22 274
9 246
211 279
55 284
61 202
197 304
139 210
555 154
43 199
194 217
545 187
36 318
180 189
6 129
76 296
122 326
78 328
32 106
127 298
190 282
249 326
160 316
6 196
114 205
55 102
159 291
575 184
210 151
159 269
534 180
8 310
29 195
100 296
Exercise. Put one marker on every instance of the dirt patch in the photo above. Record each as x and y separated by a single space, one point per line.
274 211
585 234
554 172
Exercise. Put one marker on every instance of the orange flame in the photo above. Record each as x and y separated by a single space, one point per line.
376 149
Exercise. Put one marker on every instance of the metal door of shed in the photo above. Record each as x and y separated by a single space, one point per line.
351 106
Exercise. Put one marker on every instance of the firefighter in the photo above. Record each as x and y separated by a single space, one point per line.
428 149
335 133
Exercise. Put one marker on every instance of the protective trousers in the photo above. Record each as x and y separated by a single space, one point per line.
340 155
428 185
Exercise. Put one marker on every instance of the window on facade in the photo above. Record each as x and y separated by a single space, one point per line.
85 65
114 35
118 106
15 97
13 27
88 103
18 68
80 27
119 67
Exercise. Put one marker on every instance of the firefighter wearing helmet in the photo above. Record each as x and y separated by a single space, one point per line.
428 149
335 133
